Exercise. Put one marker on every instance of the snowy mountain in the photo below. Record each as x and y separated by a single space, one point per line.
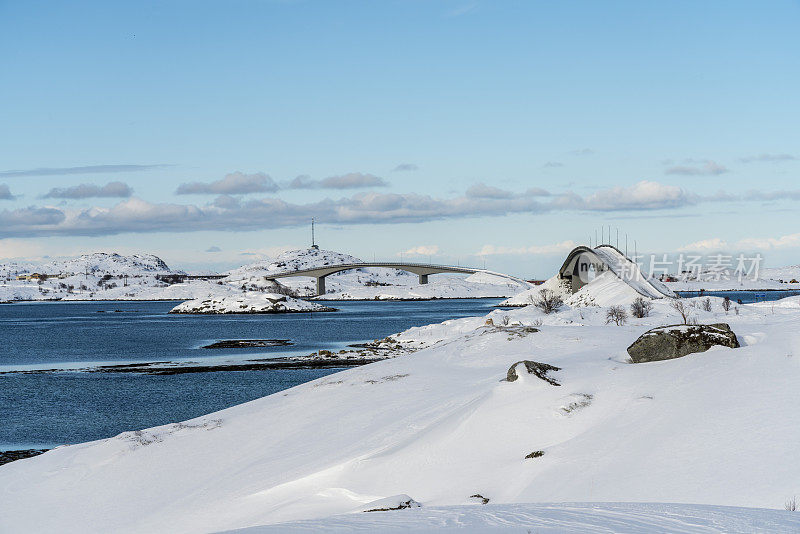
443 428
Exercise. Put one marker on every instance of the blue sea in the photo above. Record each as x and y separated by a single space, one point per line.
46 409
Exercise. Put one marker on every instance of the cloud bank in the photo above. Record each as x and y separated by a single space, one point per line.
353 180
235 183
90 169
705 168
110 190
229 213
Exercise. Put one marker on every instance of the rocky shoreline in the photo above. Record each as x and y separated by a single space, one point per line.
12 456
358 354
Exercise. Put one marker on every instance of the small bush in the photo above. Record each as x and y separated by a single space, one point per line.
680 307
726 304
791 505
706 305
641 308
548 301
617 315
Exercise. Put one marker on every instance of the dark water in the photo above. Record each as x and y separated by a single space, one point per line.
46 409
744 297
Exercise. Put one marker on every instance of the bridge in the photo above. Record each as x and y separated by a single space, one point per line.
583 261
423 270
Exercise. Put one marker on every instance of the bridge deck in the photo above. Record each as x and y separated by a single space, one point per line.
416 268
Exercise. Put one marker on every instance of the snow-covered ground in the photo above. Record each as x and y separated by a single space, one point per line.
441 426
103 276
249 302
567 518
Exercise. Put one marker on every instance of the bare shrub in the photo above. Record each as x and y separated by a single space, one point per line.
506 320
706 305
681 308
617 315
791 505
736 309
641 307
726 304
548 301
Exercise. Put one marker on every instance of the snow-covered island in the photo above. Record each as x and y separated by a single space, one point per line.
249 302
103 276
457 434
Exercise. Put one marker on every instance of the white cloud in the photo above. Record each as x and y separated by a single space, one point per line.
422 250
352 180
481 190
706 245
89 169
110 190
768 158
707 168
769 243
228 213
235 183
405 167
5 193
556 249
644 195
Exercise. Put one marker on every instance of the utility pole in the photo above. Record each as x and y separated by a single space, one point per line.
313 240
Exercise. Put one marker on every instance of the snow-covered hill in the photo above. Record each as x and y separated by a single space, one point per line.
103 276
441 426
370 283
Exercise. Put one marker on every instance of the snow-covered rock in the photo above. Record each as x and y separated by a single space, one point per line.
249 303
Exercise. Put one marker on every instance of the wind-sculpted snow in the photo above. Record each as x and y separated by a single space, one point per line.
441 425
568 518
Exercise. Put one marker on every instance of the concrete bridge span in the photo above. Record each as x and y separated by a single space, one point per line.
423 270
583 263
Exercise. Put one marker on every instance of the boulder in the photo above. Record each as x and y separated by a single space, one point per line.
676 341
540 370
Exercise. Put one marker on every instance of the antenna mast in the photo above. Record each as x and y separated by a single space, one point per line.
313 240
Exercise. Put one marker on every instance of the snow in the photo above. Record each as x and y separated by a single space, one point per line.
575 518
439 425
249 303
114 277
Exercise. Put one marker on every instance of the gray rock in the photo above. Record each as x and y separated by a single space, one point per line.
676 341
535 368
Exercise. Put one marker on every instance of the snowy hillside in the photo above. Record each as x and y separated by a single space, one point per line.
370 283
103 276
441 426
568 518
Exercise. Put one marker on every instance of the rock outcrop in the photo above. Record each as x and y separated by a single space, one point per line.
537 369
676 341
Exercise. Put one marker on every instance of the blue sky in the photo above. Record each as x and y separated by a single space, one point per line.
467 131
